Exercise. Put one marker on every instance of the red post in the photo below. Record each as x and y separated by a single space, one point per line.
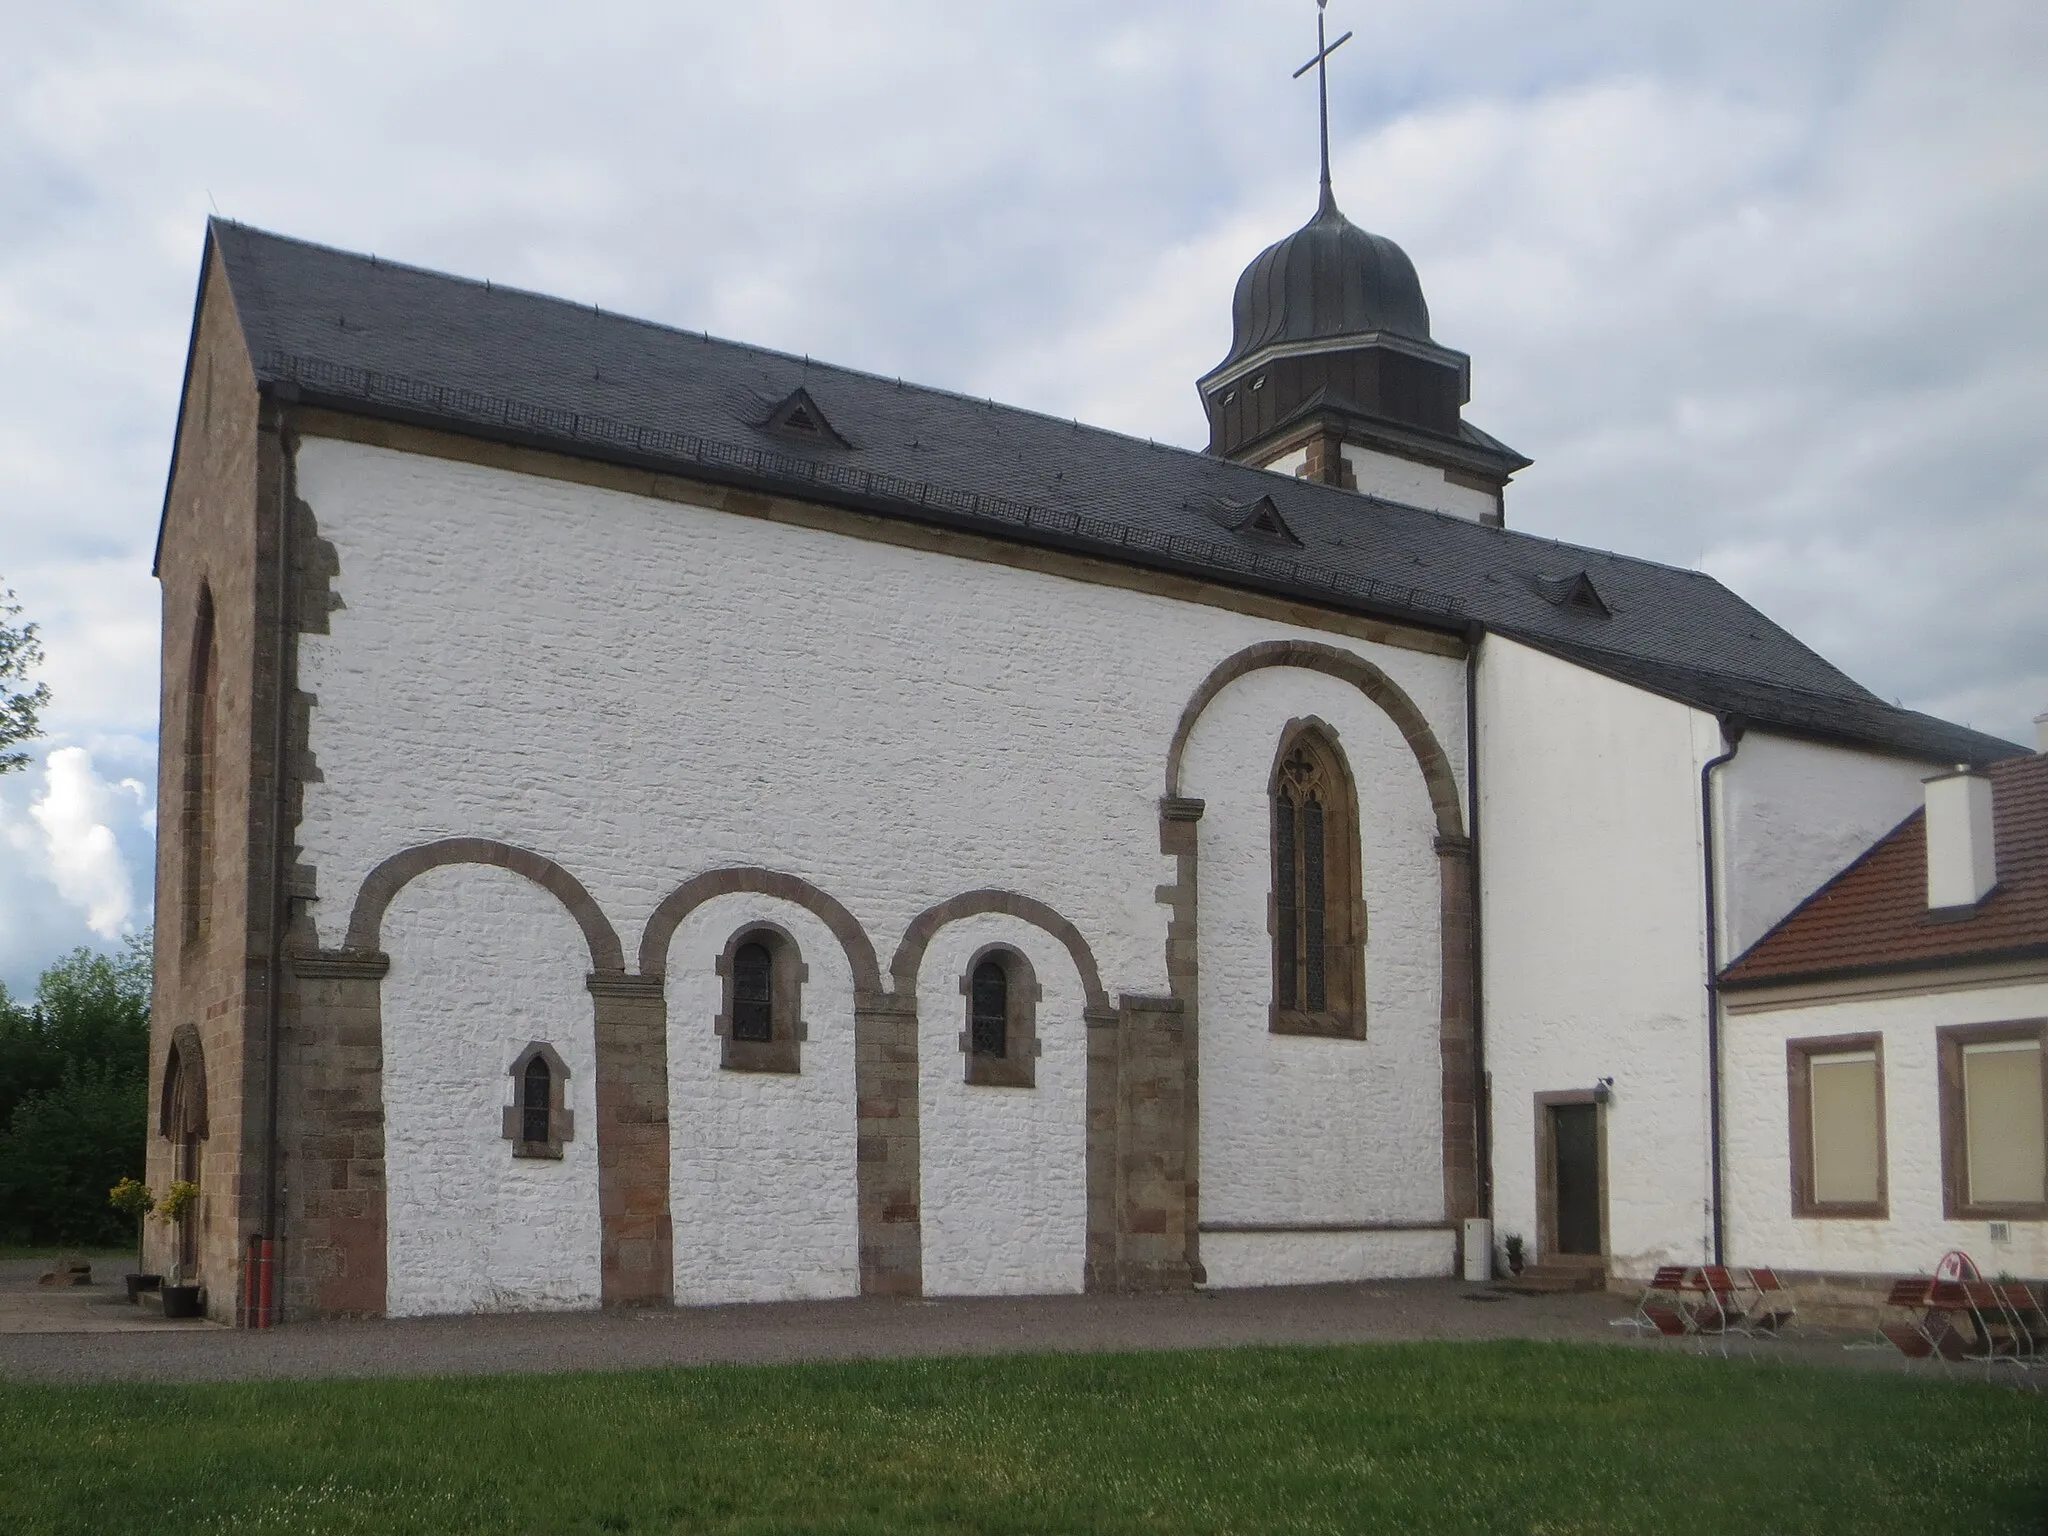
266 1268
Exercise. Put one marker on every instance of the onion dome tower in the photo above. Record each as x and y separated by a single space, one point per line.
1332 373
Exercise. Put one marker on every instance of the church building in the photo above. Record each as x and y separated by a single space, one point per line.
648 820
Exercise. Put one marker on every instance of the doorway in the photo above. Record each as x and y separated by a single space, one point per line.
1571 1180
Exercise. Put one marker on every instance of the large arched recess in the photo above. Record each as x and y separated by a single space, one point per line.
382 884
1179 820
917 938
694 892
1347 667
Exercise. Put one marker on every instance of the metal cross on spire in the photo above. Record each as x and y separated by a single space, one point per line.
1320 64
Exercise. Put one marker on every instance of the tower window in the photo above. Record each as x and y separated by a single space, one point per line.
761 1024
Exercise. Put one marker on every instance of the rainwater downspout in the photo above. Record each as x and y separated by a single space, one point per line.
1732 728
1482 1106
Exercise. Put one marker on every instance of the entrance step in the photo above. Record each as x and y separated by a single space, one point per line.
1552 1279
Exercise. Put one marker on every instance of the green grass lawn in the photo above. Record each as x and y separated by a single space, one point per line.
1427 1437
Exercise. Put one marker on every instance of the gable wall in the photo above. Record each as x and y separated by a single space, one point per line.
643 690
1790 815
215 536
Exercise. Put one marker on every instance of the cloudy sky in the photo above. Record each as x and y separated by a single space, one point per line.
1757 285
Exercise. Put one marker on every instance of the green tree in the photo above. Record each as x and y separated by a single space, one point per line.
74 1070
20 705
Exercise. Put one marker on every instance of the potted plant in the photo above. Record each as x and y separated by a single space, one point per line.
132 1198
1513 1243
180 1299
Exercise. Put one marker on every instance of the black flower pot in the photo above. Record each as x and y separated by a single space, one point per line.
137 1284
182 1301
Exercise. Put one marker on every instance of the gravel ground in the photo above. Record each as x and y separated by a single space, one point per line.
769 1333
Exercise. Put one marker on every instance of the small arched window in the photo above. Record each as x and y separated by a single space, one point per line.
991 1021
539 1119
753 993
1001 1038
762 1022
1318 908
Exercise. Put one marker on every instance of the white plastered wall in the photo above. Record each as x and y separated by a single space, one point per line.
644 689
1004 1197
1790 815
1304 1131
483 962
1595 949
762 1187
1403 480
1761 1227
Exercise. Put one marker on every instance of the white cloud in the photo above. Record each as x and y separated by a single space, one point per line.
77 813
1755 284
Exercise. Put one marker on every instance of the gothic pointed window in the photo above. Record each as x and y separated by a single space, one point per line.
1318 908
761 1026
539 1120
535 1089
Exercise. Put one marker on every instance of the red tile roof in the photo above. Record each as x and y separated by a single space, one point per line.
1873 916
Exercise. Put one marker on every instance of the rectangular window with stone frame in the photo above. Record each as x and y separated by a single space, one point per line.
1994 1121
1835 1111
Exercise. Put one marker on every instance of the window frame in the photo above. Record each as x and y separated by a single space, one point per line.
1799 1055
561 1119
782 1051
1345 922
1955 1161
1017 1067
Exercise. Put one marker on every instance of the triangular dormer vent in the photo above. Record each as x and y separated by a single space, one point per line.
1259 519
1574 591
799 418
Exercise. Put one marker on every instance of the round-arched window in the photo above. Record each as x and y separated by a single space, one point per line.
753 987
991 999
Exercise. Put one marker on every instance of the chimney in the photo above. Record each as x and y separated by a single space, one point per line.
2041 731
1962 864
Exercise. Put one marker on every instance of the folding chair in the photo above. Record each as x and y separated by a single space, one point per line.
1662 1293
1773 1310
2001 1337
1927 1332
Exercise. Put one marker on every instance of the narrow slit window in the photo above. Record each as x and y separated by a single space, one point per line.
753 993
536 1098
991 1009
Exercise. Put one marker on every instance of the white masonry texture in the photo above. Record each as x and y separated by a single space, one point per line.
1299 1130
761 1164
1405 481
1005 1198
643 690
484 962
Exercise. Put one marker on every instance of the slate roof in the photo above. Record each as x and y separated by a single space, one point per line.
1872 918
369 336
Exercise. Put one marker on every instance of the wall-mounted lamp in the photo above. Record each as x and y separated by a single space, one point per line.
1603 1090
